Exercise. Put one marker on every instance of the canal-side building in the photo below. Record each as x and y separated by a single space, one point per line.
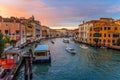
45 32
94 32
103 32
64 32
29 32
84 30
21 29
100 32
23 32
38 30
75 34
10 27
59 33
53 33
116 34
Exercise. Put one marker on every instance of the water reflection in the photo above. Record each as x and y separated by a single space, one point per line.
89 64
40 70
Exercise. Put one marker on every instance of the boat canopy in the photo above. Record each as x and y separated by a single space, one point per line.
12 52
41 48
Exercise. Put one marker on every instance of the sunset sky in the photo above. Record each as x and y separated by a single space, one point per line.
61 13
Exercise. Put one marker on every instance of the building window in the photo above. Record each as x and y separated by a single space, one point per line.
115 35
17 32
5 24
108 35
6 32
104 28
115 28
90 35
90 39
90 29
100 35
104 35
108 28
104 40
113 42
108 41
23 32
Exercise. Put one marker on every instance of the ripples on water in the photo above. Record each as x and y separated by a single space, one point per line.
90 64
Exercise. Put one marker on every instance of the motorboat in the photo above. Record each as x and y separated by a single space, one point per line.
71 50
65 40
52 42
83 47
103 47
41 54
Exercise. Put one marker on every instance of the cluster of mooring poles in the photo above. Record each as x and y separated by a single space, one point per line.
28 66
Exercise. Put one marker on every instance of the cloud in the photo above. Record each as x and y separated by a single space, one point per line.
60 12
114 9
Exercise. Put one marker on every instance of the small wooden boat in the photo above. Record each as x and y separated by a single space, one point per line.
71 50
42 54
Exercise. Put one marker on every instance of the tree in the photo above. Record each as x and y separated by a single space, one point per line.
2 44
7 39
118 42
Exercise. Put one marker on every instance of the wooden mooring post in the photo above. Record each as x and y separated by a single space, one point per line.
28 66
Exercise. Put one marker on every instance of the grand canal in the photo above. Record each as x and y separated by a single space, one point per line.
89 64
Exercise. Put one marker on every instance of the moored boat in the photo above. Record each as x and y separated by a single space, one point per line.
7 65
41 54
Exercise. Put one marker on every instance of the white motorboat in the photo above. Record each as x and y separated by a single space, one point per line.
71 50
83 46
65 40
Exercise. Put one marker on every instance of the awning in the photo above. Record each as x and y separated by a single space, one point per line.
12 52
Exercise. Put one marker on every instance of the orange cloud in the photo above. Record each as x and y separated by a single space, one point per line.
47 15
9 10
25 8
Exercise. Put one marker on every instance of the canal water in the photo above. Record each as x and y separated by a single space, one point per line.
87 64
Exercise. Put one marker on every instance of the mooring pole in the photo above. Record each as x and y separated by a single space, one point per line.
30 63
26 69
30 68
